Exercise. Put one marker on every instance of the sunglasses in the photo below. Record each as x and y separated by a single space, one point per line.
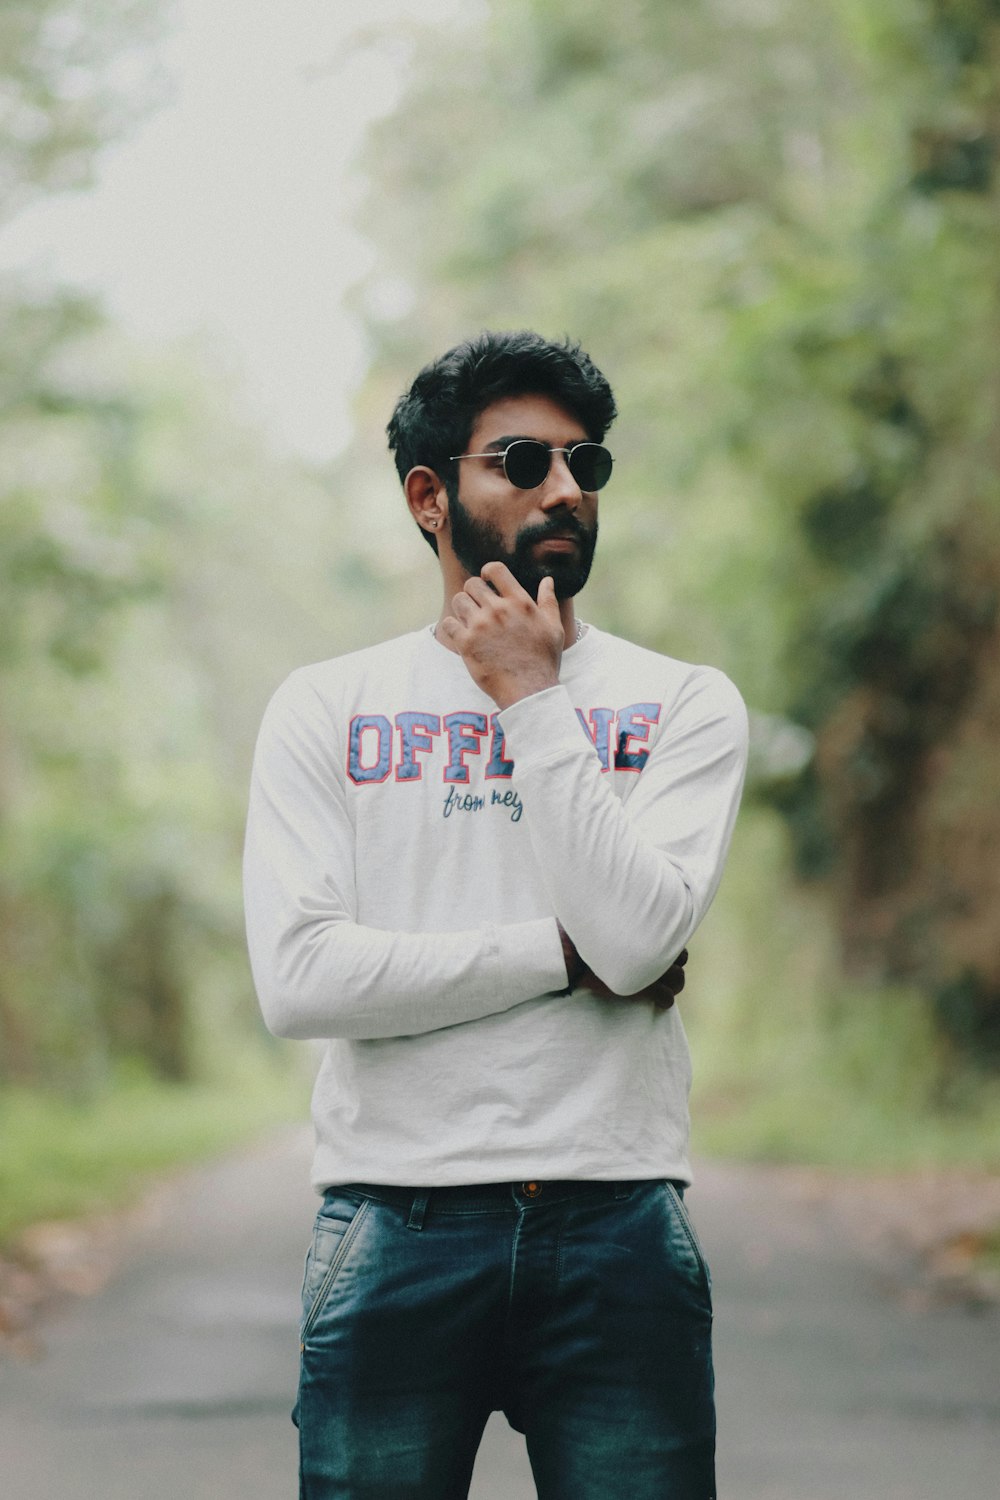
526 463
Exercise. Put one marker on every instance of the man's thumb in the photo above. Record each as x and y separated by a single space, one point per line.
547 593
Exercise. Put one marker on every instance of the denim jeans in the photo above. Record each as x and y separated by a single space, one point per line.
582 1310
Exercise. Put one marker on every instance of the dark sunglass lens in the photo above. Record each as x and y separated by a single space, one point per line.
527 464
590 465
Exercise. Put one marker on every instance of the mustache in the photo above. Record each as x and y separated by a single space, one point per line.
568 526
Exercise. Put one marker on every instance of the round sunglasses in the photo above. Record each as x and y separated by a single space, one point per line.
526 463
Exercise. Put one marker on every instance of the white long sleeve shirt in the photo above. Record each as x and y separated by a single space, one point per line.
409 851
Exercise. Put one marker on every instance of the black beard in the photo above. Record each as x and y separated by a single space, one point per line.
476 543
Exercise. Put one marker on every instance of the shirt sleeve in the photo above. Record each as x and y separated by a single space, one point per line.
630 879
318 972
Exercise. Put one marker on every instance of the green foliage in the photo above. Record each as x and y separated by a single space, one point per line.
776 227
71 558
62 1159
163 572
70 554
74 73
795 1063
160 571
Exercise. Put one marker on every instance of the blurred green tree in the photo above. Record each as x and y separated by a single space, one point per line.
75 74
68 557
776 226
160 569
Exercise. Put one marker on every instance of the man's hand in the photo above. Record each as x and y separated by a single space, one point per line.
512 644
663 991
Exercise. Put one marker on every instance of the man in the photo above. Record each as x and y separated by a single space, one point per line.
474 857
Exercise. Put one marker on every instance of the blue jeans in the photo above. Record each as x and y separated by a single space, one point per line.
582 1310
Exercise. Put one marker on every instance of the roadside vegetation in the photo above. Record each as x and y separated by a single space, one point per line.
776 228
795 1062
65 1158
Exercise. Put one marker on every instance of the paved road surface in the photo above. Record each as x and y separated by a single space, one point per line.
835 1382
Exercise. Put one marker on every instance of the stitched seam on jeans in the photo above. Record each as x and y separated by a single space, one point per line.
335 1265
559 1254
513 1264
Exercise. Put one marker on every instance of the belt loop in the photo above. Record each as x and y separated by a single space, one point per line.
622 1189
417 1211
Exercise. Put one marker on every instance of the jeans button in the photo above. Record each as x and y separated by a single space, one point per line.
531 1189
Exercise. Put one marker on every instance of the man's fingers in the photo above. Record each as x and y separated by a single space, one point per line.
547 601
675 979
502 580
479 590
663 991
463 608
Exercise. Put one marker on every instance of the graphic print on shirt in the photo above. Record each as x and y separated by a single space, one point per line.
466 742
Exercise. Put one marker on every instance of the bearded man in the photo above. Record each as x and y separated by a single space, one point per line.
475 855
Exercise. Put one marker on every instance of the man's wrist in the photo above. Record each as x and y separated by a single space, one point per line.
509 693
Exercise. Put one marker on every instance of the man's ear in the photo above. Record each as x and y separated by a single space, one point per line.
427 498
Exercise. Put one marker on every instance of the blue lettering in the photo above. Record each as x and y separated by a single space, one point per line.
634 723
598 731
415 733
510 799
378 725
462 802
465 730
498 765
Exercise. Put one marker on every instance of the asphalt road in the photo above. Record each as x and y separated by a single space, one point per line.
837 1377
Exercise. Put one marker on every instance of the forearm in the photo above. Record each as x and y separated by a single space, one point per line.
319 971
631 938
324 977
629 881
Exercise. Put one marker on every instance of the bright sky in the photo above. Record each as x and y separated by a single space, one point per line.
228 212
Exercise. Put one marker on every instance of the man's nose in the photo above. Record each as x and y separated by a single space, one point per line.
560 488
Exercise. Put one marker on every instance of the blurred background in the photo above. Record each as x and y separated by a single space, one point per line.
230 235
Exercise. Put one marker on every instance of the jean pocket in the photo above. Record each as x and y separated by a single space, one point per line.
683 1220
335 1230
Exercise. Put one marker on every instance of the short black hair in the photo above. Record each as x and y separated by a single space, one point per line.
434 419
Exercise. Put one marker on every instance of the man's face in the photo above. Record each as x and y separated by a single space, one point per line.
551 530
